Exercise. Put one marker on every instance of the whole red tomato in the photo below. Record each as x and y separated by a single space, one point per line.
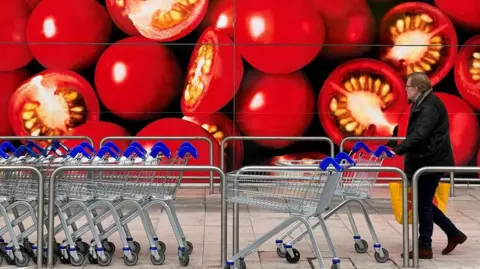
467 72
14 51
159 20
56 22
52 103
464 13
276 36
426 27
350 26
178 127
220 15
97 130
212 77
9 82
275 105
361 97
220 127
136 82
464 129
119 14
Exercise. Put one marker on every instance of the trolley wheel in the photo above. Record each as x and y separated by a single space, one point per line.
280 253
384 258
189 247
132 261
295 258
335 266
25 260
184 259
160 260
27 249
64 260
80 261
109 246
361 247
242 264
161 246
136 247
106 261
91 259
9 260
1 259
83 247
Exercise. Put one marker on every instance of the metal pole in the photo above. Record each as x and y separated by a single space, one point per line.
210 144
236 229
416 176
452 184
368 138
10 138
223 192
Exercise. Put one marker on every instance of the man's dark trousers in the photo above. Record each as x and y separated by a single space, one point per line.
428 213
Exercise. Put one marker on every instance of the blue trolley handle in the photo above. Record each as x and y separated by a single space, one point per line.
325 163
23 149
112 146
78 149
381 150
34 146
361 146
138 146
104 150
187 148
161 148
86 145
342 156
3 154
131 150
57 144
6 145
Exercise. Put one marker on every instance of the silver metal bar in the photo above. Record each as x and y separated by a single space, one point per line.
210 144
51 202
236 232
10 138
452 185
416 176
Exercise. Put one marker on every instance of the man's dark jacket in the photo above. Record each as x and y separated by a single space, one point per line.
428 137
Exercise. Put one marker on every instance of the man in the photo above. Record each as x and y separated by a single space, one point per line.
428 144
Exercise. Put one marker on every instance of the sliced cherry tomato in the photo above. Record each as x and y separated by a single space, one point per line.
350 26
426 27
136 82
13 23
9 82
275 105
467 72
165 20
464 129
361 97
179 127
219 15
98 130
463 13
119 14
221 126
52 103
212 77
276 36
73 22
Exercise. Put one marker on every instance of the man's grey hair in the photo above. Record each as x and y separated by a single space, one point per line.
420 80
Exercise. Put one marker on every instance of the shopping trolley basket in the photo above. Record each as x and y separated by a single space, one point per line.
353 187
301 196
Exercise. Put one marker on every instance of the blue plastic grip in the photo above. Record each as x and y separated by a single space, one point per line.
342 156
361 146
138 146
87 145
187 148
112 145
383 150
131 150
330 161
161 148
8 146
34 146
25 150
104 150
76 150
3 154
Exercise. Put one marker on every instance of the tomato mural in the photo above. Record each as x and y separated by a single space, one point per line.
219 68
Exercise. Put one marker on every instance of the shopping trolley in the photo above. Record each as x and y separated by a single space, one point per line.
279 190
353 187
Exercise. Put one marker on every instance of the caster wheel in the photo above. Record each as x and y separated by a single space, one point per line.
83 247
242 264
295 258
280 253
136 247
189 247
27 249
384 258
161 246
9 260
109 247
132 261
64 260
160 260
91 259
24 261
80 261
335 266
105 261
361 247
184 259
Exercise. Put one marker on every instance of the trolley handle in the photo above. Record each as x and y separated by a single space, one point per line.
104 150
112 146
57 144
186 144
161 144
342 156
383 150
131 150
361 146
6 145
138 146
54 147
86 145
25 150
187 148
161 148
77 150
3 154
34 146
330 161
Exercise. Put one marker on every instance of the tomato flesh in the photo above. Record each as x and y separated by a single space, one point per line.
467 72
424 26
118 12
52 103
9 82
212 80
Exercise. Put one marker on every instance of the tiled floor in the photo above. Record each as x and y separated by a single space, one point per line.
199 214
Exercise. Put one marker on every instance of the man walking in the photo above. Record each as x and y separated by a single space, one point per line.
428 144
